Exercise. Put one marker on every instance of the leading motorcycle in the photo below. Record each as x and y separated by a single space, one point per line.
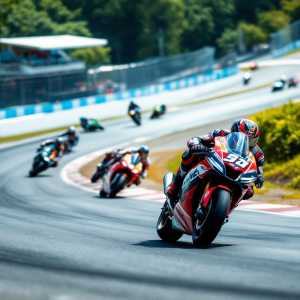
122 173
43 160
210 192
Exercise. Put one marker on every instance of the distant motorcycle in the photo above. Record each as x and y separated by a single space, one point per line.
293 82
90 124
103 167
121 174
247 78
158 111
135 115
253 66
43 160
278 85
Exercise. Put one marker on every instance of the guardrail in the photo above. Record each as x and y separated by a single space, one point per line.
134 93
286 39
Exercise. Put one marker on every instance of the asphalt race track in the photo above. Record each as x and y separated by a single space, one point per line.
58 242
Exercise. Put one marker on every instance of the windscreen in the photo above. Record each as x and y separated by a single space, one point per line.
238 142
135 159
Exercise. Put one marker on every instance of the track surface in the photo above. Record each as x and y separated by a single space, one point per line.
59 242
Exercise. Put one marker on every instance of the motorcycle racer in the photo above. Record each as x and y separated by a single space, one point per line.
72 137
58 146
115 155
197 148
132 106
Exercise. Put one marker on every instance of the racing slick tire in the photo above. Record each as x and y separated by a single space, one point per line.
37 168
137 119
97 175
164 227
117 185
203 236
102 193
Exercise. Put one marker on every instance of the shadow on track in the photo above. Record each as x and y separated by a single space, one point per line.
179 245
39 175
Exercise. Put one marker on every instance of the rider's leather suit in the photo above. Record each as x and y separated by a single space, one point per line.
116 154
189 160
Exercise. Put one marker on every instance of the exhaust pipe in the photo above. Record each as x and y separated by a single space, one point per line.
168 178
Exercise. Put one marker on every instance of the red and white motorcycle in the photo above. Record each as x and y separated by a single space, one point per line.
123 173
214 186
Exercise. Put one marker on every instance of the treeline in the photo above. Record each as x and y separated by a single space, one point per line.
132 26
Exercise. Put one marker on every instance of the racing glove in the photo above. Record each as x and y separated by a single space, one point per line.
259 181
199 149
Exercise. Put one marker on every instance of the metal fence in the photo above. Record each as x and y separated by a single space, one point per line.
152 71
285 36
29 89
25 90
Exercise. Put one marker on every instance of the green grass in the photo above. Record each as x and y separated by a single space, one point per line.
32 134
175 162
292 52
42 132
226 95
246 69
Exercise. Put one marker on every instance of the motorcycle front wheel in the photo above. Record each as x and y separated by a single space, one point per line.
97 175
164 227
117 185
37 168
137 119
206 231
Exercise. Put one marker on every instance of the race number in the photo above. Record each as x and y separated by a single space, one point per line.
233 158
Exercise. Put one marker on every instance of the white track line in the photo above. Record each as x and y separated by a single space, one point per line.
70 174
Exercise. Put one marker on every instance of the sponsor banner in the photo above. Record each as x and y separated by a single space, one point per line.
140 92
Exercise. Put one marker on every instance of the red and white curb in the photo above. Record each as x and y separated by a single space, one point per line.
70 174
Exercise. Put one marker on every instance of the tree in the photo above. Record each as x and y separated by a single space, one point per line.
252 35
92 56
229 36
272 21
292 8
155 14
25 18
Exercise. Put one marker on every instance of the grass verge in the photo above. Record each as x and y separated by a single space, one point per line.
291 52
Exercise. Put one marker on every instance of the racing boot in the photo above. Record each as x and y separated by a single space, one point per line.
172 191
174 188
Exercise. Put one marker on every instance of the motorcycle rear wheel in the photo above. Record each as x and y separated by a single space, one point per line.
204 236
117 186
97 175
164 227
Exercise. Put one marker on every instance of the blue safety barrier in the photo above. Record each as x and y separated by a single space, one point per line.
140 92
286 49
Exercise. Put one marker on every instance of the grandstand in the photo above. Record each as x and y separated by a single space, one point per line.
43 55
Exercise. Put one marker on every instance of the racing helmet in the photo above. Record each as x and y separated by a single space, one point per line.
249 128
144 151
283 78
71 131
59 141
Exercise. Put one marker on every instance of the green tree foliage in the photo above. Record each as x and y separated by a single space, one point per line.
229 37
272 21
132 26
292 8
92 56
252 35
34 18
280 131
153 15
